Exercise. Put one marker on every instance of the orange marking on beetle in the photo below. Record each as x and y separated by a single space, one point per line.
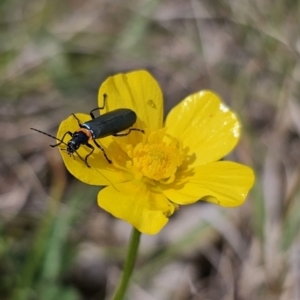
87 132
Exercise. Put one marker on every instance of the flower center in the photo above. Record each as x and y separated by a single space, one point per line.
157 158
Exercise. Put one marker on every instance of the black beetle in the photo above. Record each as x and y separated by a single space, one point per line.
111 123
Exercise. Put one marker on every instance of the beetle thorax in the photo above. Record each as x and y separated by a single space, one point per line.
79 138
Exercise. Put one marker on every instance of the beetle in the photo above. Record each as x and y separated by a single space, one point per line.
110 123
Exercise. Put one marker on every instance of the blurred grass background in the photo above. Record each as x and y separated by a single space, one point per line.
55 243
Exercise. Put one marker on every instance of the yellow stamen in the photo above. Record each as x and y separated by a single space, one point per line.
158 158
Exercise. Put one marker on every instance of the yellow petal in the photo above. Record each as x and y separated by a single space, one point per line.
205 125
101 172
134 203
224 183
138 91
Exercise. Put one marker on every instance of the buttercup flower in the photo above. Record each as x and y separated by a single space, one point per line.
173 163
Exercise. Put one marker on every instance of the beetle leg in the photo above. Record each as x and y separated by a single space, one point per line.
85 159
79 123
104 153
98 108
62 140
129 130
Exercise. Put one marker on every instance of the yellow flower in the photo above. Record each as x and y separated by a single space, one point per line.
172 164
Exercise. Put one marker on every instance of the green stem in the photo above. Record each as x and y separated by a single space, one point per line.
129 264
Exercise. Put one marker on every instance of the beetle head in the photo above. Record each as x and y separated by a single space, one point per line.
73 145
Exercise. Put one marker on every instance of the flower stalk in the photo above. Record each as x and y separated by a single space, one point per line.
129 264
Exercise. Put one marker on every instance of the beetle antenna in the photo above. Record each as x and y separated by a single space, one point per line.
49 135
